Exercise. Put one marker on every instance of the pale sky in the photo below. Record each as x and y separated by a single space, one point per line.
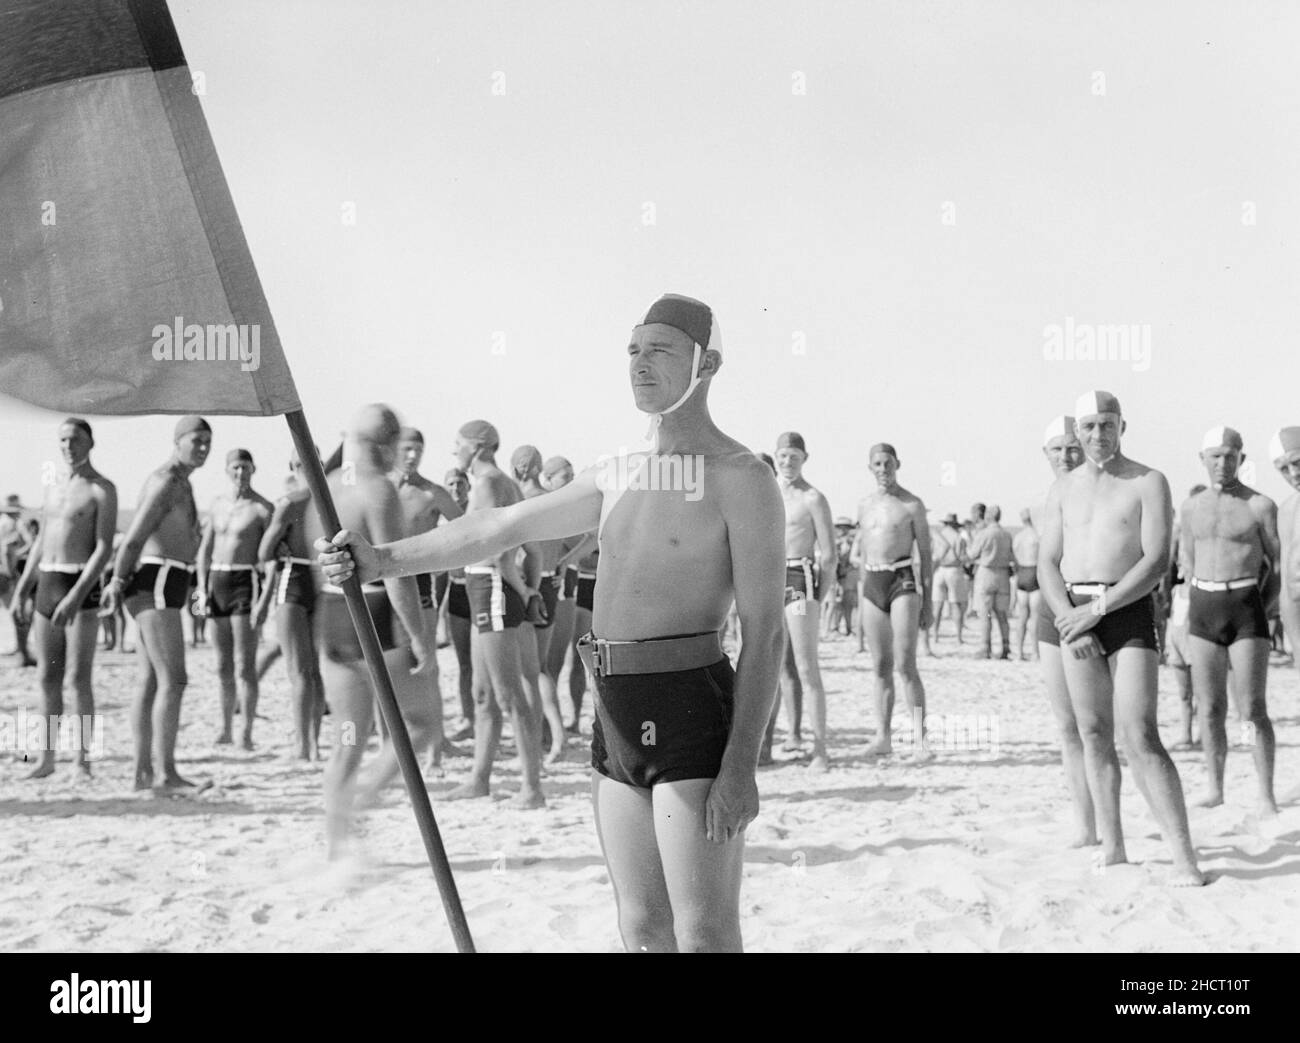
885 204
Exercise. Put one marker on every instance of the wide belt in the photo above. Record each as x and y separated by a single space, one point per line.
796 563
67 568
656 656
1221 585
298 561
171 563
230 567
899 564
1088 590
482 570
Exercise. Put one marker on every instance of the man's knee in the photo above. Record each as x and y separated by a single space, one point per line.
645 929
706 932
882 667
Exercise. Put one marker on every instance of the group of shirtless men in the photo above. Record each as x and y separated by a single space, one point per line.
677 732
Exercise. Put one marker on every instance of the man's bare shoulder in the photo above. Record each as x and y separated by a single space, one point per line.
165 482
1259 503
741 477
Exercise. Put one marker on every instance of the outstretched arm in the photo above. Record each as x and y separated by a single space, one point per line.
478 535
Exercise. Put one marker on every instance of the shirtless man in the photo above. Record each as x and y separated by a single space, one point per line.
1024 551
498 599
1063 453
1229 537
456 601
424 504
676 737
891 521
285 548
229 580
951 584
368 504
63 571
1104 545
163 542
583 575
991 551
1284 449
526 465
808 530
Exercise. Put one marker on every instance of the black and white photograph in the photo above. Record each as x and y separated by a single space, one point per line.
599 476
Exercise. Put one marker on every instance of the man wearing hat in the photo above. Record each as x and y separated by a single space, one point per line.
1284 450
63 572
1105 545
1229 540
677 733
151 578
951 583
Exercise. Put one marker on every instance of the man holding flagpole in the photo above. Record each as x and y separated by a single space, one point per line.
676 736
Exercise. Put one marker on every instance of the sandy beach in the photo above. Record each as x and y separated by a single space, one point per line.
968 853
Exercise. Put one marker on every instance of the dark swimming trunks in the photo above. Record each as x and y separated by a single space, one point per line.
335 634
53 586
1133 626
882 587
800 578
493 603
652 728
158 584
569 588
458 599
441 581
295 584
1227 616
1027 579
424 584
549 588
586 595
231 592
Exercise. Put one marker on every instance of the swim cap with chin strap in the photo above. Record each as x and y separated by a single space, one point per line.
1223 436
697 321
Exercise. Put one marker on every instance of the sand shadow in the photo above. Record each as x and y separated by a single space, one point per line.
858 794
126 806
824 854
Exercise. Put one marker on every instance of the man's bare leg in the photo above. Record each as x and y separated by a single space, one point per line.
497 683
880 639
539 687
1210 682
803 645
1072 755
245 674
625 826
1135 713
1249 658
224 641
142 705
905 616
293 626
1004 631
163 640
577 669
81 639
460 640
1091 691
702 877
417 714
351 701
51 661
1186 706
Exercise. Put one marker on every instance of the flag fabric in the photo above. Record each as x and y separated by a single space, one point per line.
126 284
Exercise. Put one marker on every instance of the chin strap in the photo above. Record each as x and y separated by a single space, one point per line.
652 433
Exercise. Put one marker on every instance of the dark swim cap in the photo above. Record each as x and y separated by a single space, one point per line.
186 424
77 422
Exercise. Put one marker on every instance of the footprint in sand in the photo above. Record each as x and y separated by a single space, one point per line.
262 915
